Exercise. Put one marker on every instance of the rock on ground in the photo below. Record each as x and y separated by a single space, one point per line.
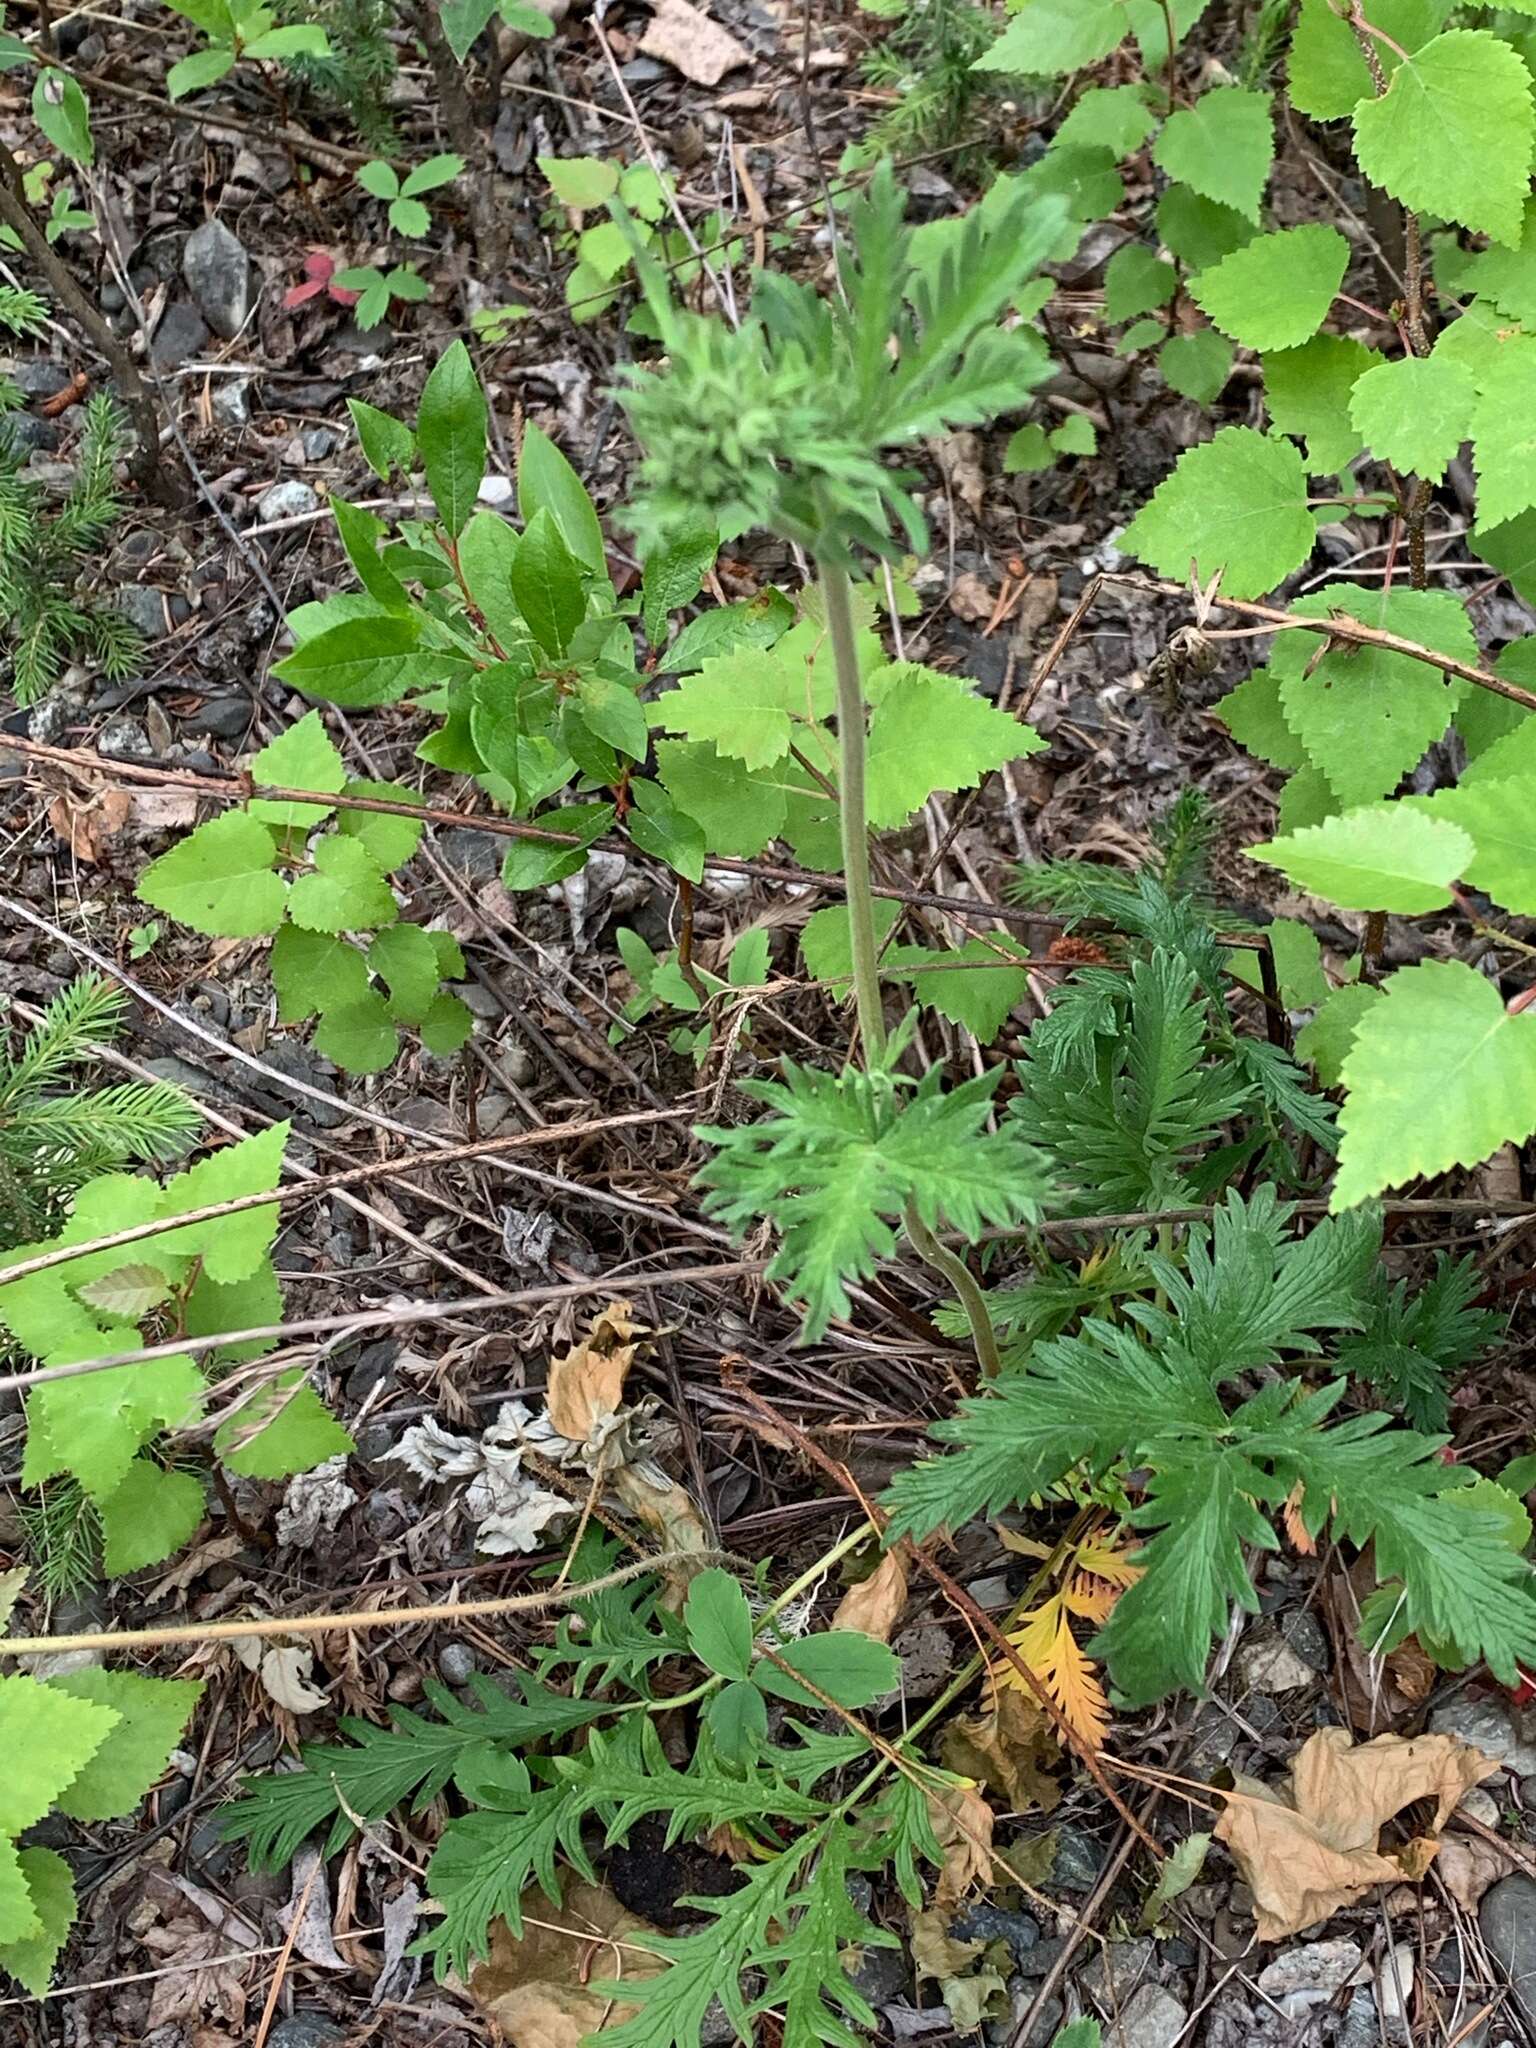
1507 1922
1153 2019
218 275
1490 1726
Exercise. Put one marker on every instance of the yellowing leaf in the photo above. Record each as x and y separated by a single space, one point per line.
1047 1645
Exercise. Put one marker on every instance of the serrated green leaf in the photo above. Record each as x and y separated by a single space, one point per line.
1028 451
19 1920
1298 959
130 1292
1077 435
284 1428
1308 392
1253 715
30 1957
232 1246
1276 291
1439 1075
1135 281
661 827
213 1306
367 661
1496 816
581 181
148 1516
1048 37
1236 504
1366 715
1324 1043
741 813
972 985
450 435
1197 365
932 732
312 971
343 891
1504 434
404 957
1414 414
757 622
1452 135
49 1738
741 703
152 1716
1200 231
851 1668
1141 334
1328 73
447 1025
1115 117
1381 857
303 757
826 941
219 879
359 1035
1221 147
719 1624
389 841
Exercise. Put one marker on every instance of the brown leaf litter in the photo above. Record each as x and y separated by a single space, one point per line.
1309 1848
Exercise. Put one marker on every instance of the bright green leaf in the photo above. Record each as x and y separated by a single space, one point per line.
1221 147
719 1624
1382 857
1237 504
219 879
450 434
931 732
1275 292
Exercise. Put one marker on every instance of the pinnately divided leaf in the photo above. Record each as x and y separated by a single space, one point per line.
1439 1075
1237 504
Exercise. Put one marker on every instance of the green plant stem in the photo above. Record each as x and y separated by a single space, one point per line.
864 947
851 808
960 1277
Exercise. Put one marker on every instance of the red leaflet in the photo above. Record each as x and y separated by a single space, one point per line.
319 269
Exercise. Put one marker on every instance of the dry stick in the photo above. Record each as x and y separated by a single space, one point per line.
321 1624
772 1421
350 1176
18 216
396 1315
238 789
1336 627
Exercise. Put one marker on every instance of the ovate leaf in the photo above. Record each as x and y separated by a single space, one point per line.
1496 816
51 1895
1504 434
283 1429
1308 392
48 1740
1414 413
719 1624
1222 147
303 757
450 433
1047 37
1452 134
343 891
1325 1043
1382 857
148 1516
1439 1075
932 732
1237 504
741 813
219 879
546 480
152 1715
1365 714
1275 292
1197 365
851 1668
1328 72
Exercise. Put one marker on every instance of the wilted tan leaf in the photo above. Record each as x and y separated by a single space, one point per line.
1468 1865
87 822
11 1583
1311 1848
962 1825
1004 1749
971 1975
537 1989
700 48
586 1386
668 1510
874 1605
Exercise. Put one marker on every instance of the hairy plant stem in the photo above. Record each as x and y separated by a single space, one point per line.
864 948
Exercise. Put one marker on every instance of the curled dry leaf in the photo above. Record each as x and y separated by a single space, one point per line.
284 1671
1004 1750
874 1605
586 1386
1468 1864
1312 1847
537 1990
962 1826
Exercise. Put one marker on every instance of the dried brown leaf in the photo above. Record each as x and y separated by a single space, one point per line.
537 1990
1311 1847
1469 1864
691 43
874 1605
1005 1749
962 1825
87 823
587 1384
